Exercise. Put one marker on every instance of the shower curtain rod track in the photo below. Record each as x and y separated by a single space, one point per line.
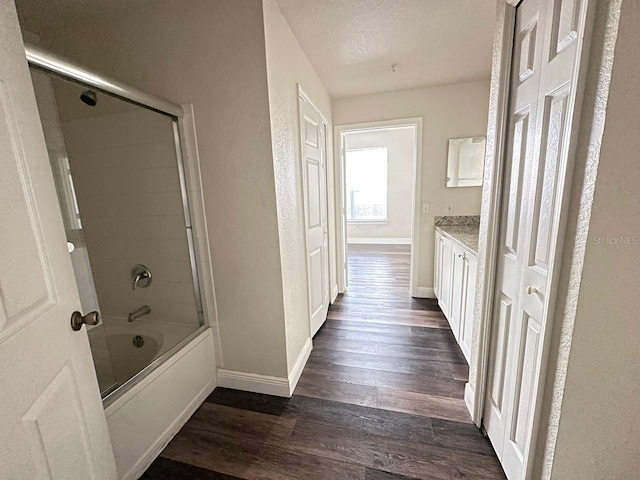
52 62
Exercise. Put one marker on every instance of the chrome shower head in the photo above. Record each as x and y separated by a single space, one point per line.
89 97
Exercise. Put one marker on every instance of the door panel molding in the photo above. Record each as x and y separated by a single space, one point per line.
42 421
20 305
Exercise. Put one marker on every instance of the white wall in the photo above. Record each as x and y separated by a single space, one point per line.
448 112
400 145
288 66
212 55
599 421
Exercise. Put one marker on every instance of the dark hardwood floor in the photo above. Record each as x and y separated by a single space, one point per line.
381 398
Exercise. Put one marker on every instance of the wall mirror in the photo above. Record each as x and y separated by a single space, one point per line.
465 161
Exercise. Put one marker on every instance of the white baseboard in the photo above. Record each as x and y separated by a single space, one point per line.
424 292
298 367
268 385
469 396
379 241
253 382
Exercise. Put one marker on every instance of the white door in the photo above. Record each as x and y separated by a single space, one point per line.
457 289
466 317
446 273
547 35
313 149
437 268
52 422
343 210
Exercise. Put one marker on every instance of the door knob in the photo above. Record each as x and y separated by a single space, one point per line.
77 319
531 290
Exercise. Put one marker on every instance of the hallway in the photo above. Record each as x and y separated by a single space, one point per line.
381 398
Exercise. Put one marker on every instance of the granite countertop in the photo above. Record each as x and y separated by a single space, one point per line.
467 235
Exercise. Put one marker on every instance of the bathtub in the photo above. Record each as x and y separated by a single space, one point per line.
122 349
145 410
150 409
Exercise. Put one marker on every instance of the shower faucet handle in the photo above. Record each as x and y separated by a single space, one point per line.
141 276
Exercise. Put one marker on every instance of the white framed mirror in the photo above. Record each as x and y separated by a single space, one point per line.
465 161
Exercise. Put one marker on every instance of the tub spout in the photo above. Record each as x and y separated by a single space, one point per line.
143 310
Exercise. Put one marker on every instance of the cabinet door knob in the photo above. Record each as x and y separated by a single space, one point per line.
531 290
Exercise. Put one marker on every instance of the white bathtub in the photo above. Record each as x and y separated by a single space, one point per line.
146 415
121 349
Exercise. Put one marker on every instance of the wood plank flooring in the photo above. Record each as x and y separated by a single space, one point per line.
381 398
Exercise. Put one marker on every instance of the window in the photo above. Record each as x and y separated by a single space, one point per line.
366 184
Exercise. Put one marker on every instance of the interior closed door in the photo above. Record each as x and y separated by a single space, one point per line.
313 149
446 274
466 318
52 421
457 289
438 266
547 36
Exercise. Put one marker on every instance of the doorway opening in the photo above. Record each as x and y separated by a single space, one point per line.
378 198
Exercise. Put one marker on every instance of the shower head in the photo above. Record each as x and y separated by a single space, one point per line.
89 97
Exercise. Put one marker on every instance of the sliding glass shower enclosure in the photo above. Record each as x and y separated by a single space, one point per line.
116 158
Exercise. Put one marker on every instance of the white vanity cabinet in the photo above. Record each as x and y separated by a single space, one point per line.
442 282
466 325
454 286
457 288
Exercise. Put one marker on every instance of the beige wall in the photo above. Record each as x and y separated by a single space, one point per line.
600 415
400 145
448 112
288 67
210 54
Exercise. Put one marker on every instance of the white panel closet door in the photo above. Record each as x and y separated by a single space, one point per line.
52 421
313 149
546 41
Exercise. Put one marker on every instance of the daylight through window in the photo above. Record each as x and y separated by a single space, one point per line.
366 184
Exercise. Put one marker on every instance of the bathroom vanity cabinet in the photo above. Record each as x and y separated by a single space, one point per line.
456 262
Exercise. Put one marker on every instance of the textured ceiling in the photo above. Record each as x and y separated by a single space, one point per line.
353 43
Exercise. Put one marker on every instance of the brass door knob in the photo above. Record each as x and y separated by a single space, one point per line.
77 320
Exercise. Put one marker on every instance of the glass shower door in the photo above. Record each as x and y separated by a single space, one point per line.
116 170
69 208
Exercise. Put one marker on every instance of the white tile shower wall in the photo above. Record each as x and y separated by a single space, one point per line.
126 177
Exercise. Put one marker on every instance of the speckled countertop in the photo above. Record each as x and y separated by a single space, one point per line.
467 235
